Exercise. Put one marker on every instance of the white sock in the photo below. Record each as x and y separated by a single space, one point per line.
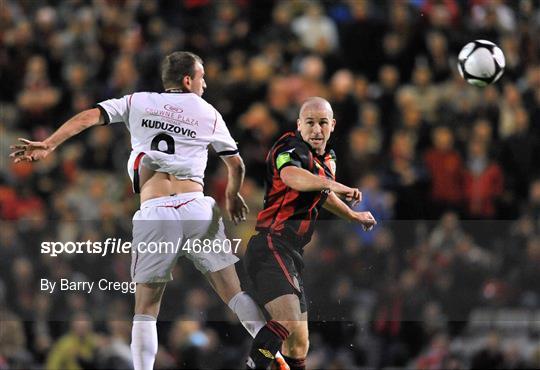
248 313
144 342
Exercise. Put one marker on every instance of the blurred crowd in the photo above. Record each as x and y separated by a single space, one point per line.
448 168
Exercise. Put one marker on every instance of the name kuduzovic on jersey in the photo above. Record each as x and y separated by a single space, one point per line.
170 132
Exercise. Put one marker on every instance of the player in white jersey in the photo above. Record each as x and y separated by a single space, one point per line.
170 133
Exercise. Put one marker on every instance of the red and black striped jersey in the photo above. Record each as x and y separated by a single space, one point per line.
288 212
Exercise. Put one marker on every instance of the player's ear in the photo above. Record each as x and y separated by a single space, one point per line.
298 123
333 125
186 83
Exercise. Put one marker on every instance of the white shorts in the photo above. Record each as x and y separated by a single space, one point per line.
164 226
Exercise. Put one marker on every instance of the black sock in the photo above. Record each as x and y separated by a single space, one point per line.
265 345
295 363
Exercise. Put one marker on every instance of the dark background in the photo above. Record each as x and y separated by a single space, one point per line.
449 278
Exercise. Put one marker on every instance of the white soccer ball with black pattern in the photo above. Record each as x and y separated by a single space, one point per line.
481 63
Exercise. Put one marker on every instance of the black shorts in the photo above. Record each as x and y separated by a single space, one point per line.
272 271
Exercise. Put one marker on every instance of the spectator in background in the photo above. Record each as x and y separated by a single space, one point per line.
441 14
519 152
532 206
413 123
376 200
509 108
115 352
13 351
483 182
99 150
362 89
192 345
406 177
38 98
41 332
76 349
491 355
315 30
514 359
395 53
388 83
528 274
436 355
370 121
259 131
398 318
457 106
402 39
363 32
438 57
424 93
447 234
488 108
311 78
77 79
446 171
434 321
19 47
483 130
493 15
343 101
360 157
531 95
124 78
280 29
513 69
259 72
535 363
279 102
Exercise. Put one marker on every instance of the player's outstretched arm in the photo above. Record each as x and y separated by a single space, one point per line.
340 209
236 207
35 150
300 179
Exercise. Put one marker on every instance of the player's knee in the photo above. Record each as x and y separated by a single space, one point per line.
300 349
225 282
297 345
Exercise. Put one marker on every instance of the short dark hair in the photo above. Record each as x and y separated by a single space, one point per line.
176 66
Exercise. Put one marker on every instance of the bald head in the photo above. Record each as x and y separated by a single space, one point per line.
316 103
316 123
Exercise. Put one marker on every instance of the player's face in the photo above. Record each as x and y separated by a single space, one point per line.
197 84
316 124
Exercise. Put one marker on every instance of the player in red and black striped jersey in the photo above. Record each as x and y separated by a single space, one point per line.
287 211
300 180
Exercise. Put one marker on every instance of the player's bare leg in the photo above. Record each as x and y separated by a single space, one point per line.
148 298
225 282
286 318
227 285
296 346
286 311
144 341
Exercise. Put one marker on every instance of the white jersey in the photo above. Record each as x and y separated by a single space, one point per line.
170 132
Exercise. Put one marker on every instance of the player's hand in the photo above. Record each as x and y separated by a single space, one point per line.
350 194
365 219
236 208
29 151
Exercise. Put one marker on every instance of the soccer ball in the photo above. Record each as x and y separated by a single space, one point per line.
481 63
